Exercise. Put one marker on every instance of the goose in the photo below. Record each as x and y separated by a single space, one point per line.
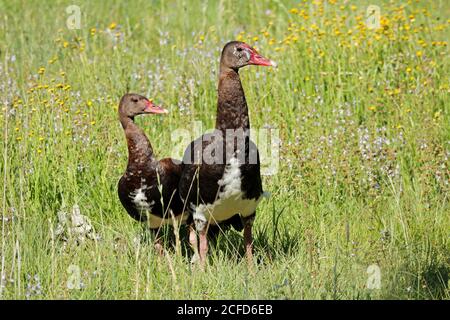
147 180
220 179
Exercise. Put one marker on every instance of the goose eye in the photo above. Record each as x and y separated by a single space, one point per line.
239 49
134 100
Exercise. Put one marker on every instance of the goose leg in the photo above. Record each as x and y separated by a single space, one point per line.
202 227
203 246
159 247
158 244
194 244
248 238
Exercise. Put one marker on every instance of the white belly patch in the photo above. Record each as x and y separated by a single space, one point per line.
140 199
230 200
144 207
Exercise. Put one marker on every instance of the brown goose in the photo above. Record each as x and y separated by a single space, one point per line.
221 178
146 177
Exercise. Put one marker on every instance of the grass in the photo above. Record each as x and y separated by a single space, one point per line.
363 177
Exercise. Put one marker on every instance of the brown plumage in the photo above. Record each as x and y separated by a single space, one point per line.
225 191
146 177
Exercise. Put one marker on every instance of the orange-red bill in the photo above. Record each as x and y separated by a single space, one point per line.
152 108
259 60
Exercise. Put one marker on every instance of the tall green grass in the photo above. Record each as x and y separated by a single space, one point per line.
364 156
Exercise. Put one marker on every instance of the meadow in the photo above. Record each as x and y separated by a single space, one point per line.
359 205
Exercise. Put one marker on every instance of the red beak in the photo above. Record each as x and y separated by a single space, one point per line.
152 108
259 60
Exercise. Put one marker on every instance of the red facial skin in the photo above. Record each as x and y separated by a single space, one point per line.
257 59
152 108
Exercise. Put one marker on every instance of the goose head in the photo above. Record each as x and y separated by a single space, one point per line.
133 104
236 55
